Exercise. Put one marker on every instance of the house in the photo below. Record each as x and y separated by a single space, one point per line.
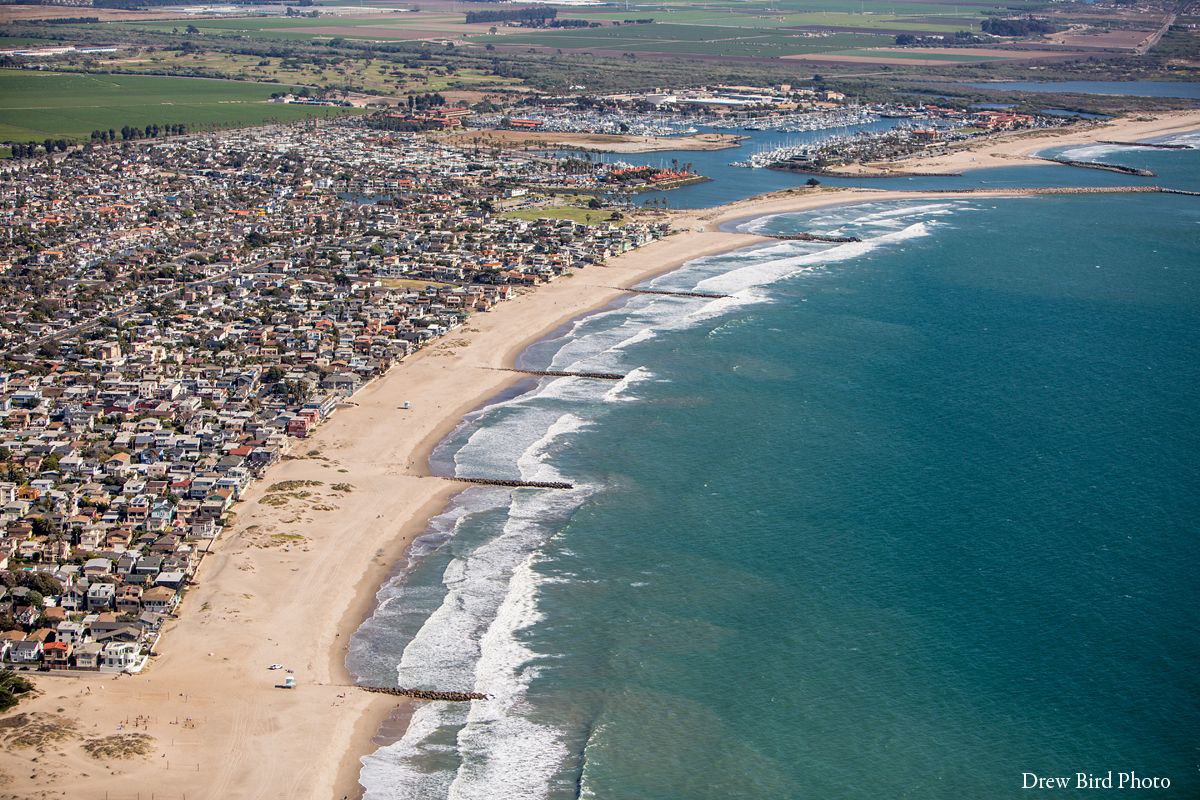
119 655
123 632
160 599
204 528
97 568
7 640
57 654
100 596
129 599
88 656
172 578
25 652
71 632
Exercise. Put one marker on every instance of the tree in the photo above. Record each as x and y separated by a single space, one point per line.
192 30
12 687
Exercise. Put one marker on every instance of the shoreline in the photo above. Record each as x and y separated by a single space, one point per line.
366 731
259 600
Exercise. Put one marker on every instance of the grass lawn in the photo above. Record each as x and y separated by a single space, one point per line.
37 105
584 216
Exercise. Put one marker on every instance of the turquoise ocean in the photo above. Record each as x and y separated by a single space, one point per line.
901 518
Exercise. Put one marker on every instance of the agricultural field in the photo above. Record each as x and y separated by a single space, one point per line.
692 39
37 105
944 20
380 27
374 76
788 29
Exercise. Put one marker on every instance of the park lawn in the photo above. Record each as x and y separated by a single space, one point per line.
411 283
584 216
37 105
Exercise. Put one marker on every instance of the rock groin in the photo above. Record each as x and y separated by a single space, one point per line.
428 694
705 295
558 373
513 484
813 237
1155 145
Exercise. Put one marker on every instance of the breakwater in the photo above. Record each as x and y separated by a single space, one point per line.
427 694
1070 162
813 237
1156 145
705 295
512 484
559 373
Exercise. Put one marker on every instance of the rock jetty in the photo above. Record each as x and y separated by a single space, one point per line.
428 694
1155 145
513 484
1070 162
705 295
558 373
813 237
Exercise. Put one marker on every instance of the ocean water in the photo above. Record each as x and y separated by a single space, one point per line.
907 517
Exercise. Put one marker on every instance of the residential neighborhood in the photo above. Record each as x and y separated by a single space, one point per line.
176 315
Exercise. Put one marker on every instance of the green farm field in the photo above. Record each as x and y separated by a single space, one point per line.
376 27
695 39
37 105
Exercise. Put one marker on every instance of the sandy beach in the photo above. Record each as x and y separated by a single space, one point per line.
297 574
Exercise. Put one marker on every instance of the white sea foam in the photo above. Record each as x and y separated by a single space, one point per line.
1093 151
504 753
765 272
1190 139
471 639
620 390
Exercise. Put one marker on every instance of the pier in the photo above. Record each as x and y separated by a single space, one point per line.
559 373
428 694
511 483
1155 145
1145 173
813 237
673 293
